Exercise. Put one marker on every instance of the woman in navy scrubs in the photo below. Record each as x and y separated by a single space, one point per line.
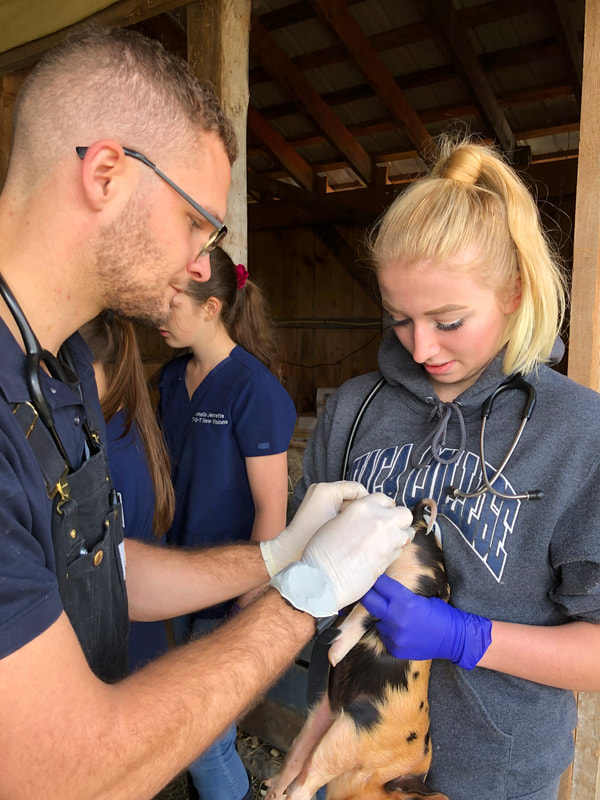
228 422
137 456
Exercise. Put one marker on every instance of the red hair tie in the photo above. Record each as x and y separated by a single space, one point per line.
242 275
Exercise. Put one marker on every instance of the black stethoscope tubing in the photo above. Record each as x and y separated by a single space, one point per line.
34 355
514 382
352 434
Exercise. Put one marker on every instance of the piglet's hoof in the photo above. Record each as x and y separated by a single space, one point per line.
276 791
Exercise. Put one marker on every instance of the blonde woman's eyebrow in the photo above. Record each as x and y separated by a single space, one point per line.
448 309
444 310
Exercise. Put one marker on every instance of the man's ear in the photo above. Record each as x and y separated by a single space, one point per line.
104 172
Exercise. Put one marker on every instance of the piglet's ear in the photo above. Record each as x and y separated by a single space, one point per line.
411 787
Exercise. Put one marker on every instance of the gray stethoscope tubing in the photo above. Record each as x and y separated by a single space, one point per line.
516 382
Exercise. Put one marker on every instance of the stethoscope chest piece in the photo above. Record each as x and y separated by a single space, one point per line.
487 485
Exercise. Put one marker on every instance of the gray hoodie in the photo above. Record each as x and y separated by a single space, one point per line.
532 562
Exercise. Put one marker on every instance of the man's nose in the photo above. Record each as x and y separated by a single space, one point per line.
199 268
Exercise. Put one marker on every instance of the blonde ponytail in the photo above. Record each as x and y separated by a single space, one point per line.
473 202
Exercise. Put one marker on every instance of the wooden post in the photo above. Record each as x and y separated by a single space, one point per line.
584 337
9 86
584 349
218 37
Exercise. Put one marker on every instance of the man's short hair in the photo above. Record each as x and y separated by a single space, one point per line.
112 83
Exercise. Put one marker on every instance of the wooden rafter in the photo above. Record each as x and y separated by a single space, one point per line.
364 55
319 203
463 55
491 11
387 156
279 66
412 33
283 152
438 114
571 46
509 57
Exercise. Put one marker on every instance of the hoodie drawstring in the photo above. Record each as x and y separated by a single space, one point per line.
437 437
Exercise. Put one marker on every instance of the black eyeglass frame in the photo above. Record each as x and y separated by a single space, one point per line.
220 230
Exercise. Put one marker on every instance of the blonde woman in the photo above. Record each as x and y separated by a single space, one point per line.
475 298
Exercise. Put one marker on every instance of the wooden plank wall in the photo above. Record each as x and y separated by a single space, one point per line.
304 282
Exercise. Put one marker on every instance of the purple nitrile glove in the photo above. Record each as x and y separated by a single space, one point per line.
422 628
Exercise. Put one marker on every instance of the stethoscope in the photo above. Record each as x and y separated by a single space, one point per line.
35 354
487 484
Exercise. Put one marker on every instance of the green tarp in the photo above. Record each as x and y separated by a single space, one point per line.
22 21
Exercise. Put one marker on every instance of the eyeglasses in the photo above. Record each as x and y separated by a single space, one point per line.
220 230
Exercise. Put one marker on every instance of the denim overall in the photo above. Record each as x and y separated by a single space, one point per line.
87 534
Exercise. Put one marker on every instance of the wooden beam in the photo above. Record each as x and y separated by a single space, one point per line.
551 130
464 55
412 33
9 87
514 56
586 765
320 203
364 55
584 337
480 14
496 11
335 53
122 13
165 28
218 45
451 112
283 152
555 181
567 36
293 82
584 343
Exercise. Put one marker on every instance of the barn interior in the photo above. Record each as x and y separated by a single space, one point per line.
338 104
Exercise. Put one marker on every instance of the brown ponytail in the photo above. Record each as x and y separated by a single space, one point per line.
244 313
114 345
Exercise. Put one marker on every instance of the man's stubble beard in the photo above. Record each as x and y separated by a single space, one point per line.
125 253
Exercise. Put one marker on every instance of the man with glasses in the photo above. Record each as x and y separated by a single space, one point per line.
89 223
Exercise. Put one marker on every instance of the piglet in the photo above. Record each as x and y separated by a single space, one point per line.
368 737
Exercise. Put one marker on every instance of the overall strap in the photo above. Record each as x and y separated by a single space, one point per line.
52 464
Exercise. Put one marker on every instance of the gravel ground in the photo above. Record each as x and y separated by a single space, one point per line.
259 758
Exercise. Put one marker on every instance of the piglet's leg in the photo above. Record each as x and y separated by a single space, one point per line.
350 633
315 727
335 757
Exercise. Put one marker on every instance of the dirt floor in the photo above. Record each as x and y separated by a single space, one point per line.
259 758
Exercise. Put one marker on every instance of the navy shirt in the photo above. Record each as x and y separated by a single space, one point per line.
29 598
131 477
240 410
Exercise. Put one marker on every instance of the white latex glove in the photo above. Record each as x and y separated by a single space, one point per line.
346 556
321 503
